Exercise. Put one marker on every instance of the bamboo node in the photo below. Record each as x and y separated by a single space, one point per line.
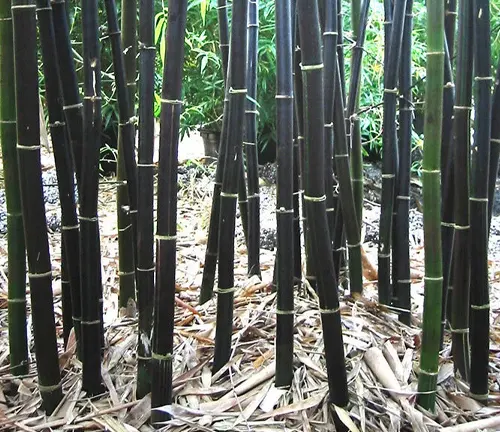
6 19
315 199
460 107
165 237
252 112
88 219
93 322
298 193
143 358
249 143
329 311
171 101
16 300
125 229
388 176
476 199
57 124
328 125
70 227
424 372
7 121
391 91
161 357
130 273
403 197
219 290
479 396
77 105
237 91
483 78
284 312
139 269
330 33
254 196
435 53
330 209
459 330
429 171
252 25
493 140
228 195
352 246
480 307
384 255
23 7
145 165
280 96
345 155
311 67
448 224
23 147
48 389
242 201
462 227
283 210
449 85
40 275
300 137
433 279
404 281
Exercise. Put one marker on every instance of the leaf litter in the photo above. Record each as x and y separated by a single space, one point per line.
381 354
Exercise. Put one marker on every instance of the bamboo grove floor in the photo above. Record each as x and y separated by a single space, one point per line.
381 353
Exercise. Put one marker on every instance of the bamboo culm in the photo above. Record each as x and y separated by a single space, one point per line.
236 112
431 173
315 200
32 202
18 335
90 256
126 236
480 293
166 228
284 204
70 280
389 152
145 181
460 295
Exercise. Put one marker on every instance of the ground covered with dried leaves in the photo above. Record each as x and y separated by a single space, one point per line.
382 355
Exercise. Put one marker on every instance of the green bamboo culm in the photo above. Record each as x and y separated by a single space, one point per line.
145 179
480 160
18 344
166 228
315 200
90 256
431 178
284 204
126 238
70 233
32 202
459 295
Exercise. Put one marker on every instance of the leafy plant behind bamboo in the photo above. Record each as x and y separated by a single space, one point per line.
32 203
126 238
236 112
314 197
145 179
402 241
461 158
284 204
166 228
90 256
389 153
250 142
70 245
431 172
18 343
480 294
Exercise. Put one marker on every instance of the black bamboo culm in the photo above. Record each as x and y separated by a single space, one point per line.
73 108
126 236
32 202
64 168
494 144
284 204
402 241
359 19
447 188
250 142
145 179
479 293
166 228
210 264
389 153
329 59
314 197
450 18
127 214
340 46
92 329
18 335
460 294
237 96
